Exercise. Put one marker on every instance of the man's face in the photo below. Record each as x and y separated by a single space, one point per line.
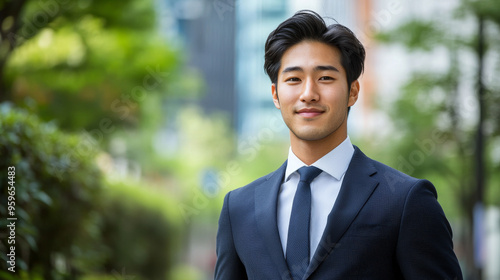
312 92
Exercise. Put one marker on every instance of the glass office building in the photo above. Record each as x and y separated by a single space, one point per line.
255 20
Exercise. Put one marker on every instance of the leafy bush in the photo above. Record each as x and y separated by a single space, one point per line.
140 231
56 186
70 221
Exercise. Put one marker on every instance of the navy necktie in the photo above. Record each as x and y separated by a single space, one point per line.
297 247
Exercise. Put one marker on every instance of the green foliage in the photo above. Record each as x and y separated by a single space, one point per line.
435 136
57 184
432 103
205 140
415 34
186 273
486 8
90 62
103 277
34 16
139 230
428 145
102 67
65 213
203 144
263 157
90 74
22 275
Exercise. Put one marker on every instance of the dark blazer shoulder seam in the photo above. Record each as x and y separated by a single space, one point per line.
407 196
229 220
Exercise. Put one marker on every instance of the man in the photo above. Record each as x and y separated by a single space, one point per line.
329 212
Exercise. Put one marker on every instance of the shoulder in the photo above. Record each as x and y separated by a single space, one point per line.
360 160
389 174
389 177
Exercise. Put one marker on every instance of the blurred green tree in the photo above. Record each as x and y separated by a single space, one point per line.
433 121
102 67
86 64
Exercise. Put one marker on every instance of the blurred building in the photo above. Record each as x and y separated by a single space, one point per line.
255 20
205 30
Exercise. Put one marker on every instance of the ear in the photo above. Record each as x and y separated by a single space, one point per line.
276 99
353 94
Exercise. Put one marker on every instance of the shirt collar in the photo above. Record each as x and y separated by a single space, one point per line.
334 163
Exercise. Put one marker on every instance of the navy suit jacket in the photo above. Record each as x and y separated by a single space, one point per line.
383 225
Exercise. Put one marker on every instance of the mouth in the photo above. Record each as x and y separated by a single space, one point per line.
310 112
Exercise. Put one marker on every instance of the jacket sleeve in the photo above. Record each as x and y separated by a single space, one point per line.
228 265
425 246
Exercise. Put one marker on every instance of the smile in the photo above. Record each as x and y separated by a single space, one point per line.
309 112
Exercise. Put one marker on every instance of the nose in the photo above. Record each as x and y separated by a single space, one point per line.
309 92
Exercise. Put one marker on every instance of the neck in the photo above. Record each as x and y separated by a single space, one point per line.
310 151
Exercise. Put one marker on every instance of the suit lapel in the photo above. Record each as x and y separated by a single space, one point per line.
357 187
266 200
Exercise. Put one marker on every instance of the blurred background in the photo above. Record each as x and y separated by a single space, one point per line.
128 121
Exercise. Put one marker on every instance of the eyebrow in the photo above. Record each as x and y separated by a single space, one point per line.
326 68
317 68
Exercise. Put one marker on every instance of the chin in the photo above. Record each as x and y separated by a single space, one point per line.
311 135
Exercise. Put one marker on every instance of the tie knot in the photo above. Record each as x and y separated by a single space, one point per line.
308 173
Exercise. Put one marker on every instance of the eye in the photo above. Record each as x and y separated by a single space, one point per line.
325 78
293 79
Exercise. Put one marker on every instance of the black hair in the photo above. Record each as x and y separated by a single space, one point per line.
308 25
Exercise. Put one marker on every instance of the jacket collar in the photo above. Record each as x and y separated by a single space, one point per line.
357 187
266 198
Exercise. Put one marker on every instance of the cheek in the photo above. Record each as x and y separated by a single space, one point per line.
286 99
337 100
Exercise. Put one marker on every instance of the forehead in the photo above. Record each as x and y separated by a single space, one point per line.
310 54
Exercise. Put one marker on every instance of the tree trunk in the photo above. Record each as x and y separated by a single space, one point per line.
479 153
10 19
